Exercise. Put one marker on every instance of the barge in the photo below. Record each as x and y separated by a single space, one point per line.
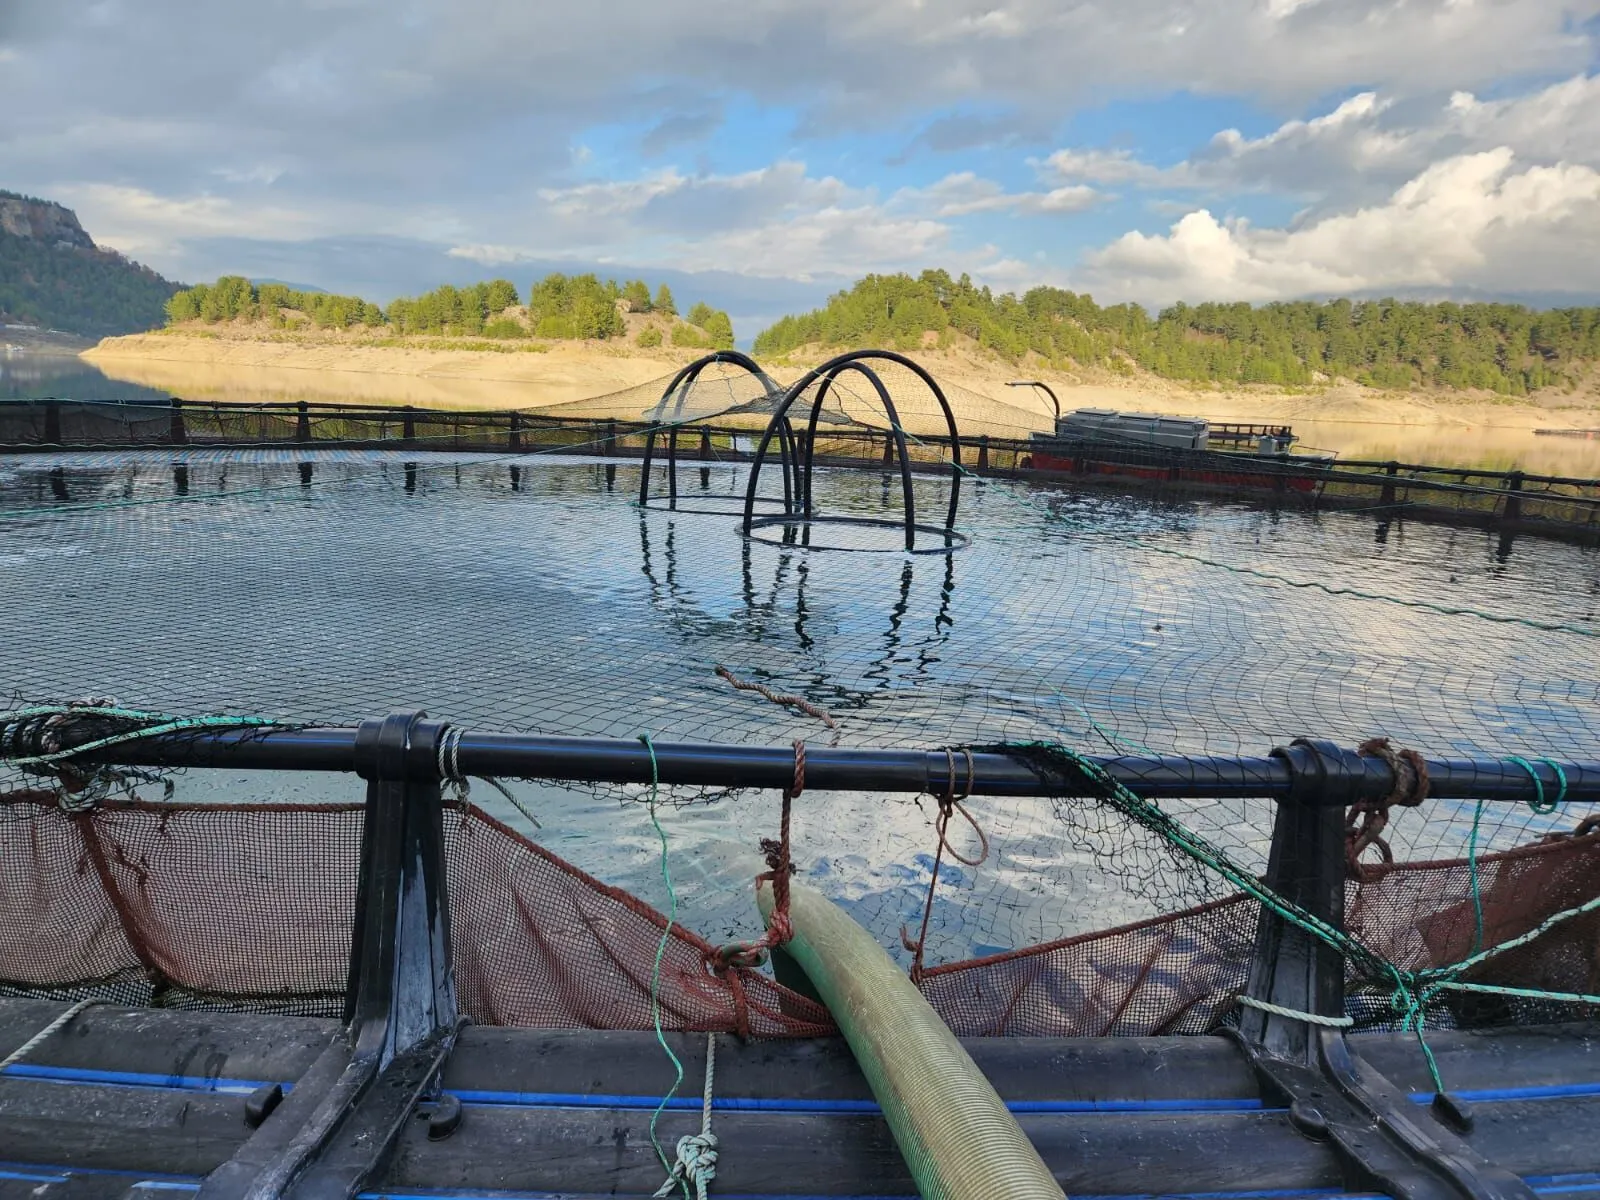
1171 449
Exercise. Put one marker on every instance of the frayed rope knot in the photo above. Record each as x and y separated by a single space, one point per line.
1366 820
780 867
696 1165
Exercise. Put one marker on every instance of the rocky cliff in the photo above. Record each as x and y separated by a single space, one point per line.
53 276
42 221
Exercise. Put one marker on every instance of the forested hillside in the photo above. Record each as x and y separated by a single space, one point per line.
1385 343
53 275
559 307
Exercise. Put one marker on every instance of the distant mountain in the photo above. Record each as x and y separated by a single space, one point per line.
53 276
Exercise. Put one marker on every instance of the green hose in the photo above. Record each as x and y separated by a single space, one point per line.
955 1133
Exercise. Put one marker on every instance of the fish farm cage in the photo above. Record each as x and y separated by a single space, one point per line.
1156 835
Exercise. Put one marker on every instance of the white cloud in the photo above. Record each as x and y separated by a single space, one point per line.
1472 221
1100 166
965 193
139 222
1371 143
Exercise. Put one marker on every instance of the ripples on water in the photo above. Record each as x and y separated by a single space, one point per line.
533 595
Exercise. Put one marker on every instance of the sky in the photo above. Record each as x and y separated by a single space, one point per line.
764 153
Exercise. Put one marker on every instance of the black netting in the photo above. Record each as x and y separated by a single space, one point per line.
527 591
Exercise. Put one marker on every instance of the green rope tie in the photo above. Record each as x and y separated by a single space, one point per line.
1539 804
655 970
1472 868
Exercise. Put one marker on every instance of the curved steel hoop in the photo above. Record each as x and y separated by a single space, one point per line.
828 373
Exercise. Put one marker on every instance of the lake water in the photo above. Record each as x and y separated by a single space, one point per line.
1499 448
531 593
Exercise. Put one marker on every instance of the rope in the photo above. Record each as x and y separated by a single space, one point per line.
949 803
661 951
697 1152
1294 1014
1538 804
1472 870
1366 820
61 1022
449 763
782 698
780 866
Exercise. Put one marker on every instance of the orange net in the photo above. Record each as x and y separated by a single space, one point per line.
251 906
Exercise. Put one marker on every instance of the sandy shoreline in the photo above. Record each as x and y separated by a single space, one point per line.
1356 421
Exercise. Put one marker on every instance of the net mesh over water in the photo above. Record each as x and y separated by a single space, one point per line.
526 591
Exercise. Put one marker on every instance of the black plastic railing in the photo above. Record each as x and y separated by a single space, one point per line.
1313 771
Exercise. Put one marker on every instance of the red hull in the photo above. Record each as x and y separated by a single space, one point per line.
1265 480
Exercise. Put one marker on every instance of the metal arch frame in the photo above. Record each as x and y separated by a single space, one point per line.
828 372
681 383
1045 388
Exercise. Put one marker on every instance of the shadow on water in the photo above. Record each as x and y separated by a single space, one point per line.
65 377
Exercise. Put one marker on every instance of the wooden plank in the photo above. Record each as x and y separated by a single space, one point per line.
596 1152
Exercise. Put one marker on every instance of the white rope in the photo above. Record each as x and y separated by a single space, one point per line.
1294 1014
33 1043
697 1152
450 773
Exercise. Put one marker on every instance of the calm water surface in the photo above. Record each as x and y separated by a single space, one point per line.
531 593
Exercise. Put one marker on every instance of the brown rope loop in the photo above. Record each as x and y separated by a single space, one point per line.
1408 769
1366 820
780 867
949 802
799 784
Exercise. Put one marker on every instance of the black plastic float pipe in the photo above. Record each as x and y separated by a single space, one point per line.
1313 772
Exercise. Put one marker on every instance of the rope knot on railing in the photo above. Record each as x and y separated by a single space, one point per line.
1366 819
780 928
950 803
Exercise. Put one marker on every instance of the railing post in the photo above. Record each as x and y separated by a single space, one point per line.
1387 495
302 422
177 435
400 1001
705 445
1383 1141
52 423
1513 510
514 442
408 425
983 453
609 446
1292 968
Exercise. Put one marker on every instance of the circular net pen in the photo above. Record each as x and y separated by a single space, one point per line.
869 393
733 388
